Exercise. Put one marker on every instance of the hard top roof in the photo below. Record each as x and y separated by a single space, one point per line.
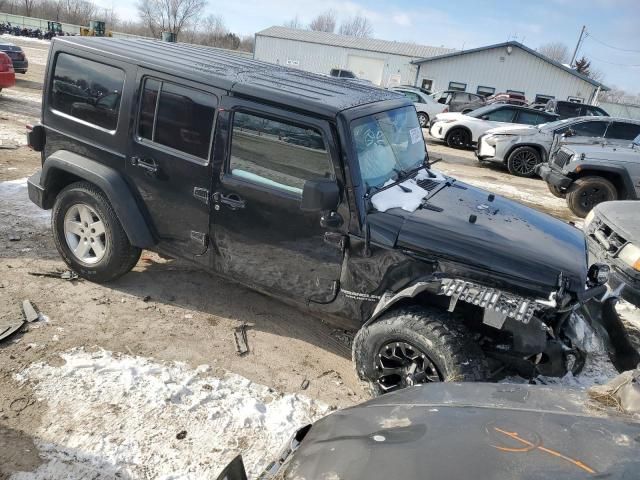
244 76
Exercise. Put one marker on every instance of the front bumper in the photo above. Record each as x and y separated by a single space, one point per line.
37 193
553 177
484 151
436 130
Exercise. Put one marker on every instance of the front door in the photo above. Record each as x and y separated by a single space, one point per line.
169 163
261 235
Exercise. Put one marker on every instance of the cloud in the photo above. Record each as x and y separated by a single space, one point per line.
401 19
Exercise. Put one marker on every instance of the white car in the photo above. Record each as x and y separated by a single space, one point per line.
426 105
463 130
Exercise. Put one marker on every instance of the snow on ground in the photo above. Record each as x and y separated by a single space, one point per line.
113 415
14 202
8 37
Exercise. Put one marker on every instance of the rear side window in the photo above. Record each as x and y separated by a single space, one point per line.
531 118
87 90
590 129
411 96
569 109
177 117
594 112
277 154
623 131
502 115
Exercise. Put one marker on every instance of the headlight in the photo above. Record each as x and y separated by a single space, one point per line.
630 255
589 218
598 274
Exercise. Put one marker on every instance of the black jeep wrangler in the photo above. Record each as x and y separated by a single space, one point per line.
269 176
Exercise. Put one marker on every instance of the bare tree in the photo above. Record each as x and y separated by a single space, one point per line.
557 51
293 23
28 7
325 22
169 15
357 26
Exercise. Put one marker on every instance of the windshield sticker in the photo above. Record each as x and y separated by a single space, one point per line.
416 135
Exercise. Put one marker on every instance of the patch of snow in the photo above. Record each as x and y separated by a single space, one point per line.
114 415
14 202
10 38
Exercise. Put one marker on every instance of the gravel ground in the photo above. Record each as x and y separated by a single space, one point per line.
139 326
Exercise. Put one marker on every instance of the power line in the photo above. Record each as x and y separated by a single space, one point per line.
588 34
591 57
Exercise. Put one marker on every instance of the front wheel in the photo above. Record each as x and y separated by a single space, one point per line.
417 345
423 120
89 236
586 192
523 161
555 191
458 138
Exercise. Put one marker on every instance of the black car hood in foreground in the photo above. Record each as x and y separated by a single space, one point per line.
513 244
470 431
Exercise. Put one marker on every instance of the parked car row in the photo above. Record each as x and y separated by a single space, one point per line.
17 56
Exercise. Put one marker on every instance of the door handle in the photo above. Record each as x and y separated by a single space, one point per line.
149 165
233 201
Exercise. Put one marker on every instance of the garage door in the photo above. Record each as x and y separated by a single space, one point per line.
365 67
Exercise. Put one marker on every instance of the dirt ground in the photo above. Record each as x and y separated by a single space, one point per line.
163 309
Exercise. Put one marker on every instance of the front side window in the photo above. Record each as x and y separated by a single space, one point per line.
501 115
386 144
568 109
177 117
411 96
277 154
589 129
595 112
87 90
531 118
623 131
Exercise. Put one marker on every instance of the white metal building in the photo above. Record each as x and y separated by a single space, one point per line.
383 62
504 67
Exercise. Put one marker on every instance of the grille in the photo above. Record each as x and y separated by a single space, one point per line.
610 241
428 184
562 158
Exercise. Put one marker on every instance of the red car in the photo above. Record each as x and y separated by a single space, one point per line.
7 74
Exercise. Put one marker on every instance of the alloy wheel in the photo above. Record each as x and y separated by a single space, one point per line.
400 365
459 138
84 232
524 162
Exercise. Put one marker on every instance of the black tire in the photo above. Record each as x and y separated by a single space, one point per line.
435 333
458 138
555 191
119 255
586 192
522 161
423 120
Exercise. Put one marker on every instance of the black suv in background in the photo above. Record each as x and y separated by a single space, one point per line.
17 56
566 109
311 189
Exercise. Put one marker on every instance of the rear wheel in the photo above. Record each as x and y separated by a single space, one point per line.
458 138
523 161
416 345
586 192
89 236
423 119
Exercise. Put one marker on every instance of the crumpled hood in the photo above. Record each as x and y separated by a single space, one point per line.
506 243
604 151
622 217
519 130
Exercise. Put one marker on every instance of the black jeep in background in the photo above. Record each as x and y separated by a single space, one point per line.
271 176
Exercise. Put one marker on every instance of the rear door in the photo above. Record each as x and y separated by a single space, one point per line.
169 159
262 237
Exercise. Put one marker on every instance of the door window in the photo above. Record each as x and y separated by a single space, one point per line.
567 109
589 129
590 111
177 117
501 115
623 131
412 96
531 118
87 90
277 154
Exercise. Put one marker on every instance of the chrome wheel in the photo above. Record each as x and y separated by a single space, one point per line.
423 120
400 365
84 232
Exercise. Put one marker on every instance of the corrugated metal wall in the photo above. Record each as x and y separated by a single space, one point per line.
318 58
495 68
622 110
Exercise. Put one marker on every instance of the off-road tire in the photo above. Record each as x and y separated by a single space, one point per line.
120 256
439 334
458 138
578 194
520 170
555 192
423 120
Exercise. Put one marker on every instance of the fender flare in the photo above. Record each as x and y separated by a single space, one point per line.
106 179
623 173
389 299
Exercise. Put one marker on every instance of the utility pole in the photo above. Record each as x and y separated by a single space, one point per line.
575 52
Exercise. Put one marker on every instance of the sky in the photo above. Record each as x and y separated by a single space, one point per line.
613 26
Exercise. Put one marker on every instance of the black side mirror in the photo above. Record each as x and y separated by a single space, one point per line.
234 471
569 133
320 195
442 100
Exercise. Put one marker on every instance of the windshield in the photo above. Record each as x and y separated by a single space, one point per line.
478 112
386 144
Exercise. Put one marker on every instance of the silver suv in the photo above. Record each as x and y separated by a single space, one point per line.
590 174
521 148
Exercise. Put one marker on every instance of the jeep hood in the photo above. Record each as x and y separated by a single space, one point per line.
494 240
470 431
605 151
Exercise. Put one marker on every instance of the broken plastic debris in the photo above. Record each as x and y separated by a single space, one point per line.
30 314
242 342
6 330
